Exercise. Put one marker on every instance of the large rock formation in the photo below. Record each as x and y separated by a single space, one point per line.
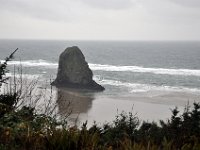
74 72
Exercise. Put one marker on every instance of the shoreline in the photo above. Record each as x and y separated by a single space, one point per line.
103 108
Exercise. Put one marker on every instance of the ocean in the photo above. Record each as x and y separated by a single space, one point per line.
150 76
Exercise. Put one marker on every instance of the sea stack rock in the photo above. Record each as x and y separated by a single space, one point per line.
74 72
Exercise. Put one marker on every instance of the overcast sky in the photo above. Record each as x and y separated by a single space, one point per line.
100 19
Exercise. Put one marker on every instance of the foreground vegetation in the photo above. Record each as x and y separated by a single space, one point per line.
25 129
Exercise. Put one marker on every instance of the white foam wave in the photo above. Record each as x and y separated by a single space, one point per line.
183 72
136 87
180 72
34 63
24 76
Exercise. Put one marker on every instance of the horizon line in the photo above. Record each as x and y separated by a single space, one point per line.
93 40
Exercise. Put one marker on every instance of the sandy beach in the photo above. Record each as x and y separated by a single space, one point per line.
149 106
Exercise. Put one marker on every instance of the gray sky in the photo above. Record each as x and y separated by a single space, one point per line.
100 19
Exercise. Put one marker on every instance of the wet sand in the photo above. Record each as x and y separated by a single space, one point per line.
151 106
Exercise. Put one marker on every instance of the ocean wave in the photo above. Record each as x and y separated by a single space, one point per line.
182 72
24 76
112 68
137 87
132 87
34 63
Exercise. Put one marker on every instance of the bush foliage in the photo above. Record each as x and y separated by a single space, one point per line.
27 130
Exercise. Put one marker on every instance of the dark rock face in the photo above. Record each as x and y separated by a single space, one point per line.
74 72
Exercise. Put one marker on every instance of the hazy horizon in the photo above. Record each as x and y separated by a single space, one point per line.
96 40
